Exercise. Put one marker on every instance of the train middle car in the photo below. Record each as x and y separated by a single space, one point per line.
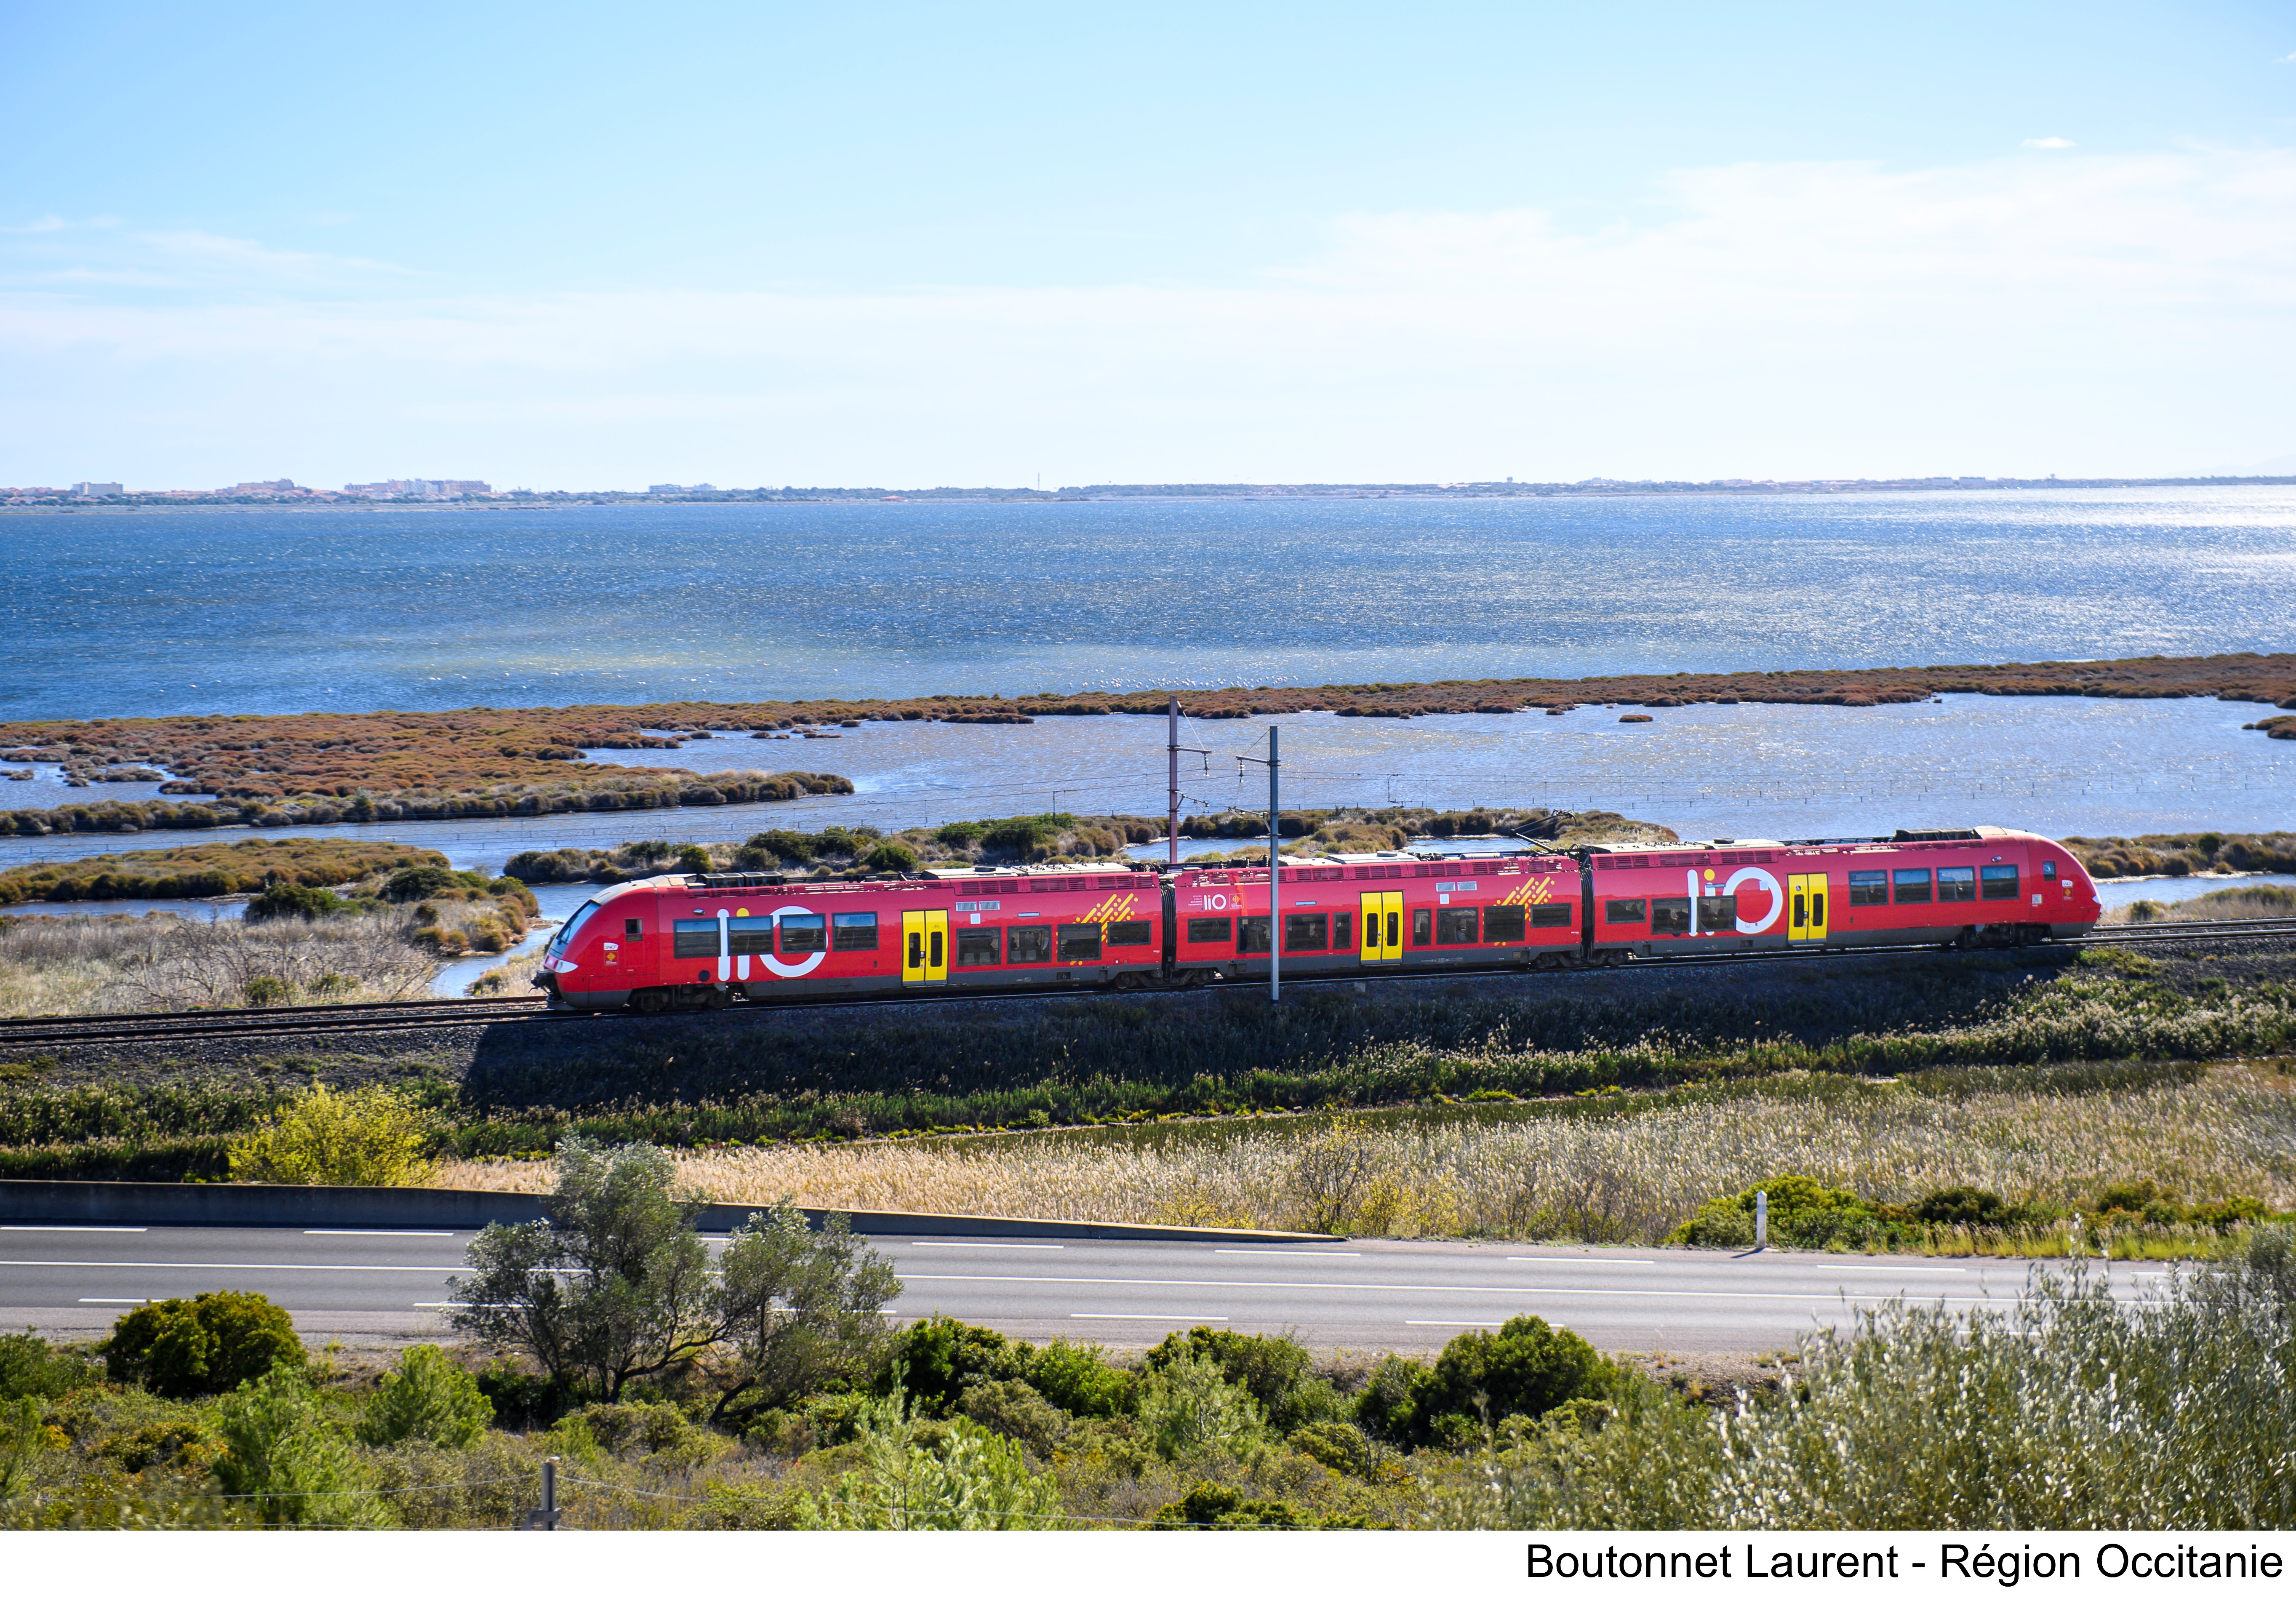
707 941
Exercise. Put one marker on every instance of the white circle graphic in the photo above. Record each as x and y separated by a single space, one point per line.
779 967
1777 900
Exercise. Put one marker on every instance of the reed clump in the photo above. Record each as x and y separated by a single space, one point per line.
80 964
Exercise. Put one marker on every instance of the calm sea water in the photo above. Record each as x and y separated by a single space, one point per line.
123 614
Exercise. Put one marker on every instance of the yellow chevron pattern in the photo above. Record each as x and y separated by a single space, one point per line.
1115 907
1534 890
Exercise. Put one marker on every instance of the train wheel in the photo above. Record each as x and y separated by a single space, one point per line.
715 998
649 1001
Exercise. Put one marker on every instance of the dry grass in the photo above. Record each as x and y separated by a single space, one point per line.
1627 1177
2225 904
83 965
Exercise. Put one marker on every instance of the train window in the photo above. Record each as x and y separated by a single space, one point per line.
1252 935
1718 913
1619 912
1030 946
1869 888
1343 931
1670 918
1544 915
1080 941
634 930
750 935
853 929
803 934
694 939
1130 932
1305 933
2000 881
1422 928
2049 869
1455 926
1211 928
1957 884
1502 923
980 946
1912 887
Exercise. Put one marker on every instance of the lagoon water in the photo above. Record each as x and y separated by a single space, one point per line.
113 613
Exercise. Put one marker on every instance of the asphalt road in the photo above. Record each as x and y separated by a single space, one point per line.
383 1287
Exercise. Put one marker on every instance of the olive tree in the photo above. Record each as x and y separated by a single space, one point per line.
617 1285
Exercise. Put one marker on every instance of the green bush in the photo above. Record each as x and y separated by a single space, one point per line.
285 1459
1079 1380
1525 1368
30 1368
1188 1411
1277 1372
426 881
1016 1410
1339 1445
1212 1505
283 899
890 859
182 1348
1967 1207
1804 1213
369 1137
428 1398
694 859
937 1358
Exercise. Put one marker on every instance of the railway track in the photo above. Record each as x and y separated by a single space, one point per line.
28 1032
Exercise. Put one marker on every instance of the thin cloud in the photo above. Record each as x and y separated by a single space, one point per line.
2051 142
50 224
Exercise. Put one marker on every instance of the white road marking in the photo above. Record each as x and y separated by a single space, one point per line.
1298 1253
1199 1318
178 1265
1569 1259
75 1228
115 1301
1466 1322
1403 1287
933 1245
1904 1270
332 1232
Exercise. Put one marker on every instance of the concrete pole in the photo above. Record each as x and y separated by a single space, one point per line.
1275 879
1172 790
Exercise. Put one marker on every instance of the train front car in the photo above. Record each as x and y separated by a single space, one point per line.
1970 888
1372 914
606 951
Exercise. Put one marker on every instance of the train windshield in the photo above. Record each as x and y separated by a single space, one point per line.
573 925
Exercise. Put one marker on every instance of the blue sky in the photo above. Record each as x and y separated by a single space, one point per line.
593 247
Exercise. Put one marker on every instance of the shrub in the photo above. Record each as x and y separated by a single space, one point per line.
1966 1206
428 1397
292 898
368 1137
890 859
1214 1506
1277 1372
1526 1368
30 1368
182 1348
1804 1213
1337 1445
424 882
1016 1410
937 1358
1079 1380
694 859
1188 1410
283 1458
970 1480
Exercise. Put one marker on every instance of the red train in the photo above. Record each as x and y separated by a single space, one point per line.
704 942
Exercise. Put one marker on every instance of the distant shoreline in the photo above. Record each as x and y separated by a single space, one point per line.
1108 493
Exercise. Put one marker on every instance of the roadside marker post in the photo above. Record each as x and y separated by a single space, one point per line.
1761 1220
544 1518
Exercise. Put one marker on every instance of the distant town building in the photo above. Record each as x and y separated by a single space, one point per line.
276 486
419 488
679 489
96 490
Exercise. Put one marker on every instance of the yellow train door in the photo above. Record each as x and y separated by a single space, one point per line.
1806 916
1382 926
924 946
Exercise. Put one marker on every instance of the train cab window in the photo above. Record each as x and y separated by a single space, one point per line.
1252 935
1130 932
1502 923
694 939
1910 886
1618 913
980 946
2049 869
1305 934
748 935
1541 916
1957 884
633 928
1343 931
1670 918
1422 928
2000 881
853 929
1211 928
1869 888
803 934
1030 946
1080 941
